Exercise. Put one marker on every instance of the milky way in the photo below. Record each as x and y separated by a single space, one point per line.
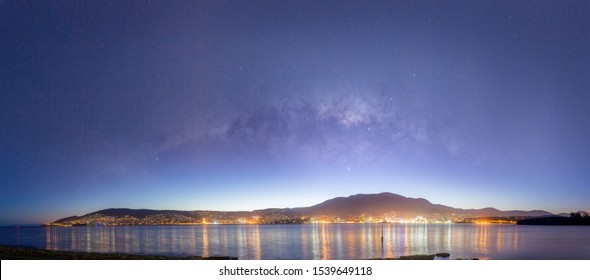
246 105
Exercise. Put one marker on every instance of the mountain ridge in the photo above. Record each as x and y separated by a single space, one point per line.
354 207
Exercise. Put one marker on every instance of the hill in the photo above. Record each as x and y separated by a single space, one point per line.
352 208
377 204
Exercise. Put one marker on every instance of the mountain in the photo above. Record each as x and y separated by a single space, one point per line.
377 204
352 208
493 212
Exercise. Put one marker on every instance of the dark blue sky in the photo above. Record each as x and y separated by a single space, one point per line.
229 105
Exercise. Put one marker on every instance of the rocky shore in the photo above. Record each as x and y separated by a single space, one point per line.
18 253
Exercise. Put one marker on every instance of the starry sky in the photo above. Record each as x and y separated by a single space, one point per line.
242 105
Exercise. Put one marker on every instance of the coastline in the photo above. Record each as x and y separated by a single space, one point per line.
27 253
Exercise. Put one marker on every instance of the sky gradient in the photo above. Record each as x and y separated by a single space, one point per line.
242 105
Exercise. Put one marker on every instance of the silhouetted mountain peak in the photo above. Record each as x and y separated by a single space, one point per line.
374 204
379 204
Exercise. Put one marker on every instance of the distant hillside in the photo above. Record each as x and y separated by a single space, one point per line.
493 212
377 204
343 207
121 212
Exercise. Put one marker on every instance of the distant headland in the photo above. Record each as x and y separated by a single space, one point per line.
575 219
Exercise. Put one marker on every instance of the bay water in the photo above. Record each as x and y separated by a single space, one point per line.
315 241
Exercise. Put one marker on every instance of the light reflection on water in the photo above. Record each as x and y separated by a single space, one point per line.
315 241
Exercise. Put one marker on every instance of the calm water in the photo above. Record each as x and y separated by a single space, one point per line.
315 241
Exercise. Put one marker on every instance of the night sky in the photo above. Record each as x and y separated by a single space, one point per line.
242 105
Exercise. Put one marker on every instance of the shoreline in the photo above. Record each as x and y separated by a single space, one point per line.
28 253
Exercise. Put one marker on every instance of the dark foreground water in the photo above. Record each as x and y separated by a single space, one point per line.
315 241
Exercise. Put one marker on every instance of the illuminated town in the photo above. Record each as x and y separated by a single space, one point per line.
274 216
360 208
